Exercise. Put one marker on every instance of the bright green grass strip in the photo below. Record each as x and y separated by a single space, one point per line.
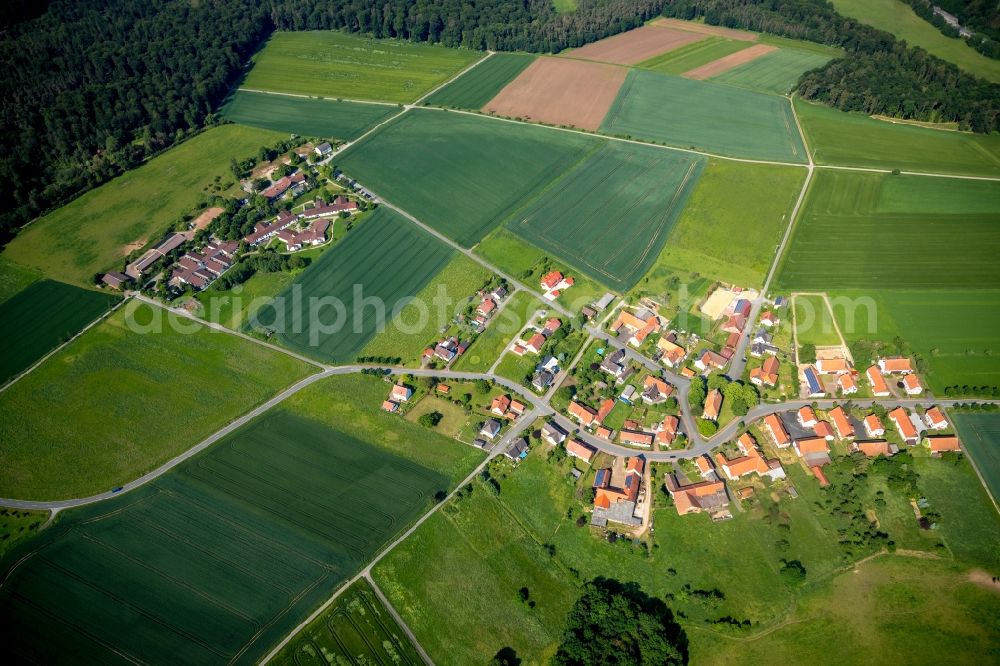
704 116
93 233
500 333
813 322
852 139
480 84
565 6
694 55
41 317
980 436
800 45
776 72
335 64
304 116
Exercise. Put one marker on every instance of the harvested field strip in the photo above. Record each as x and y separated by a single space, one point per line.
728 62
705 116
614 237
705 29
693 55
634 46
188 567
560 92
461 174
481 84
305 116
368 263
777 72
41 317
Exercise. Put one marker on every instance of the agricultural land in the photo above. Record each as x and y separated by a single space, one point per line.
981 436
306 116
777 72
695 54
481 84
636 46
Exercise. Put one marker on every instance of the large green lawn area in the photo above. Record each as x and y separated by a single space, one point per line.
612 213
732 224
854 139
461 174
219 559
814 322
305 116
980 435
125 397
336 64
899 19
43 316
777 72
695 54
97 230
353 290
705 116
494 340
878 231
480 84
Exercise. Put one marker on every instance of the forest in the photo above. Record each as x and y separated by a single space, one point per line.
92 88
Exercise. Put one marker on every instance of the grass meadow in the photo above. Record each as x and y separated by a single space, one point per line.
387 258
115 403
861 230
461 174
98 229
43 316
479 85
335 64
612 213
732 224
777 72
305 116
479 357
980 435
695 54
814 322
853 139
15 278
705 116
219 559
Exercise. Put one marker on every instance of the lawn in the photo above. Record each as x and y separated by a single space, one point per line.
98 229
17 525
461 174
221 558
124 398
355 627
611 214
854 139
980 435
43 316
694 55
868 231
305 116
776 72
233 308
704 116
335 64
14 278
814 322
433 308
732 224
897 18
481 83
500 333
355 289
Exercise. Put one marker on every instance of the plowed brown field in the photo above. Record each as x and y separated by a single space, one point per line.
726 63
634 46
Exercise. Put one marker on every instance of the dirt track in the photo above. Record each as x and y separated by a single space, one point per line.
728 62
560 92
637 45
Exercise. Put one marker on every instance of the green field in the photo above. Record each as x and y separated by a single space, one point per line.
433 307
461 174
564 6
813 322
732 224
343 299
17 525
980 435
335 64
15 278
94 232
897 18
610 215
43 316
500 333
853 139
355 627
305 116
704 116
119 401
863 230
479 85
218 560
694 55
776 72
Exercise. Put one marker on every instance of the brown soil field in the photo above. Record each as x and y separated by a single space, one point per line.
706 29
634 46
726 63
560 92
206 217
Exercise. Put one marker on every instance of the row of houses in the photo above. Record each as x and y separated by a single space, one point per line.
846 377
199 269
536 341
264 231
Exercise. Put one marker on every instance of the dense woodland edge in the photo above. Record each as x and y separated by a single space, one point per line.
93 87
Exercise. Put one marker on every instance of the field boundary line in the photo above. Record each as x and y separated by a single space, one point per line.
489 54
52 352
926 174
318 97
399 620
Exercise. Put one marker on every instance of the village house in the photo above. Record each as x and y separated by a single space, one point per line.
901 420
517 451
115 280
832 366
281 185
443 389
814 387
707 496
446 350
939 444
390 406
604 432
323 149
841 423
776 429
672 354
934 419
616 365
581 450
491 428
655 390
666 431
873 426
847 384
320 208
807 417
709 360
554 283
201 268
767 373
604 409
713 403
875 447
896 365
583 414
486 307
636 438
734 324
879 388
912 385
400 393
814 450
500 405
553 434
264 231
314 234
704 465
751 462
769 319
825 430
617 491
636 326
137 268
